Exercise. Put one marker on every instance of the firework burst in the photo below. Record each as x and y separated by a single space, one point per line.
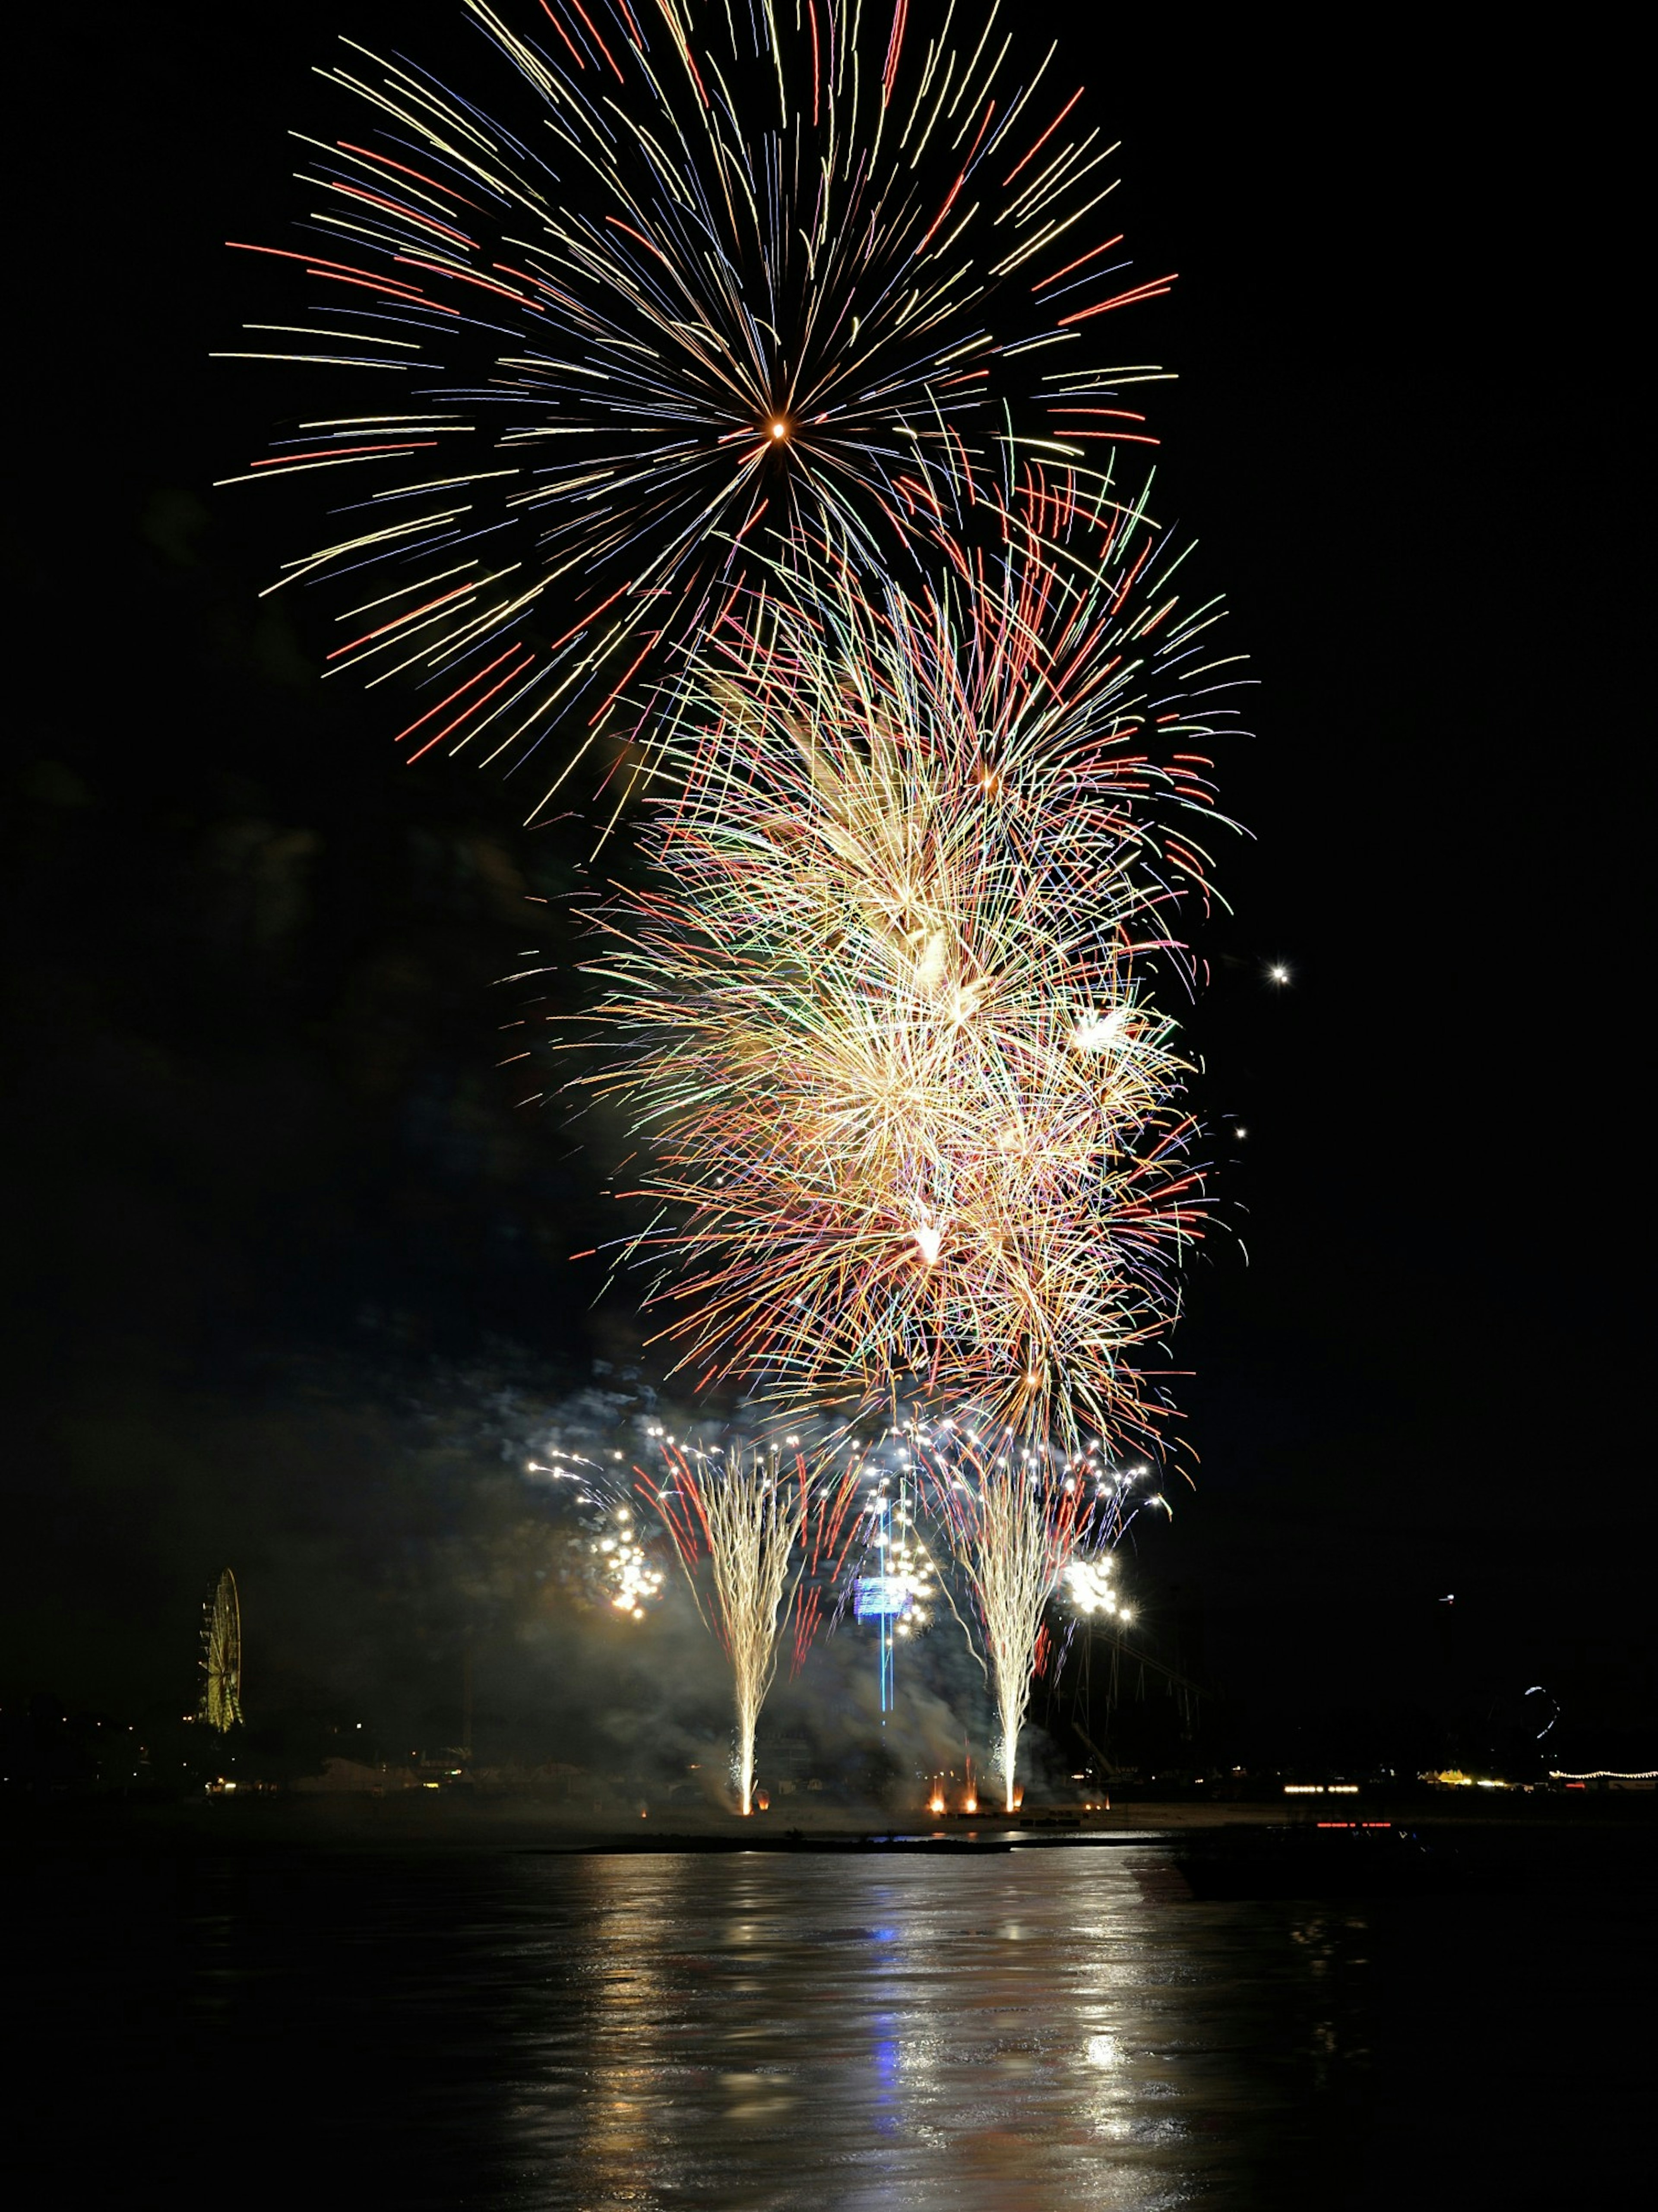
728 273
885 1021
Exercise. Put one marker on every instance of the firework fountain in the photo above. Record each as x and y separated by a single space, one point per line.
765 1525
1021 1522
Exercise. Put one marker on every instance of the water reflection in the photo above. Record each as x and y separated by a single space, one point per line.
1033 2031
509 2031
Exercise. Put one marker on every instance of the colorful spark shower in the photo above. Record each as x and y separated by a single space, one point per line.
1015 1518
727 273
763 1523
756 447
884 1019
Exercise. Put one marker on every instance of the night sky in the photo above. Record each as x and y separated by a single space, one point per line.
280 1237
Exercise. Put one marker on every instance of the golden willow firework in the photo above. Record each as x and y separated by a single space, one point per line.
910 1115
732 270
765 1526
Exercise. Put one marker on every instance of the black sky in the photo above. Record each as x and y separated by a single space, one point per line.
264 1172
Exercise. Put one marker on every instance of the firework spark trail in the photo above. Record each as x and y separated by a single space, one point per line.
884 1022
1013 1559
728 274
1015 1519
763 1525
614 1567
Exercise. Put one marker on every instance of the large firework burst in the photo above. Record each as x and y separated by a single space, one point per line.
728 272
885 1024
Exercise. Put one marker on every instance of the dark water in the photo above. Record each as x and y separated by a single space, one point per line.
1026 2032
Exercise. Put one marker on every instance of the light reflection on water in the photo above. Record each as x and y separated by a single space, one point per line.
1045 2029
495 2030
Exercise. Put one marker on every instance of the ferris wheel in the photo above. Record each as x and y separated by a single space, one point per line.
221 1706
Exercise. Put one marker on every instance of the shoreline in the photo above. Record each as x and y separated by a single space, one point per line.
454 1821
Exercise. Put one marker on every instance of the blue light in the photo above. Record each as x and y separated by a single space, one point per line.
881 1597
